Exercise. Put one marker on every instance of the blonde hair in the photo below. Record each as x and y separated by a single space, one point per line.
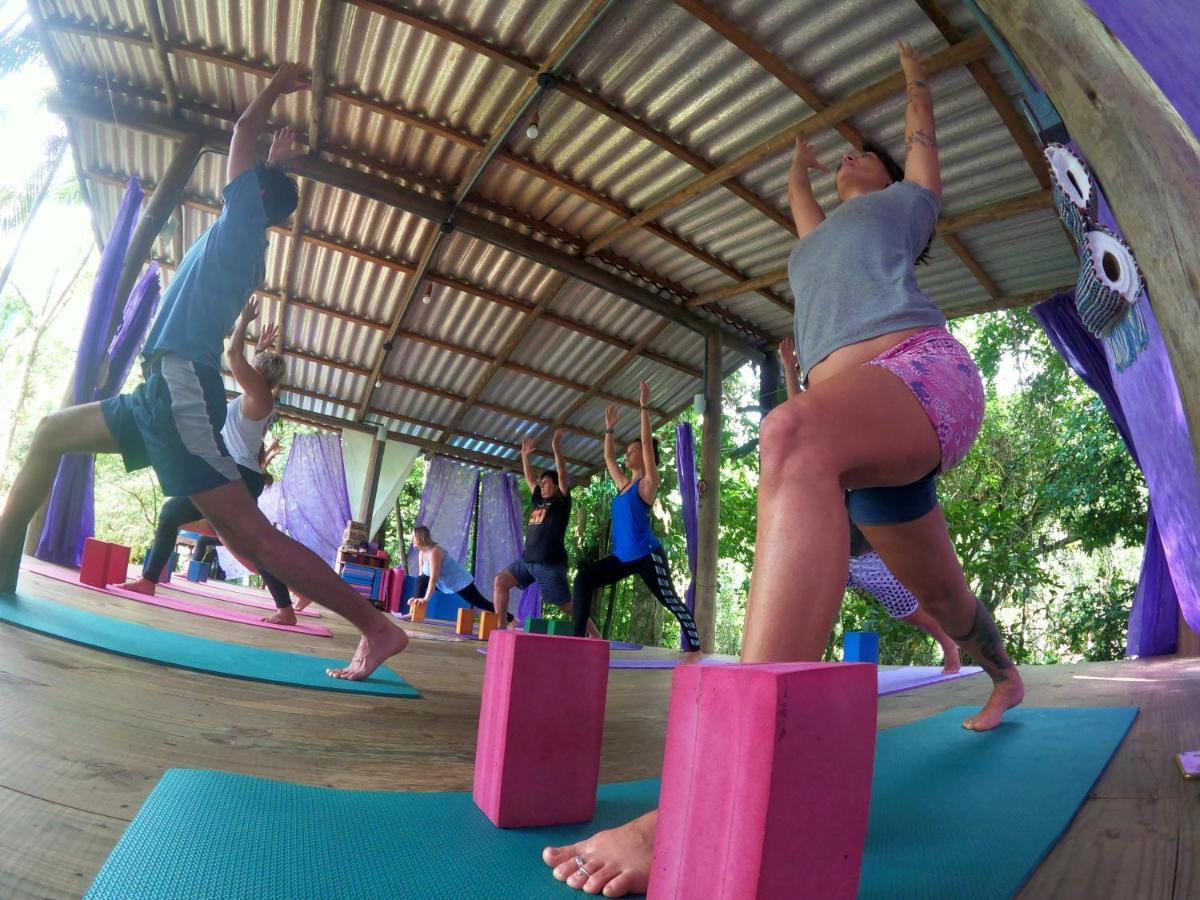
422 537
270 365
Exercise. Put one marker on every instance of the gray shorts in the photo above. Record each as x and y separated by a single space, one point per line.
551 578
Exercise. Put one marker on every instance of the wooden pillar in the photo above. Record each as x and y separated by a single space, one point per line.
366 505
710 498
1141 150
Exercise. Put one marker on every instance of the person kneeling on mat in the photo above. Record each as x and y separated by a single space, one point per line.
440 571
545 556
173 420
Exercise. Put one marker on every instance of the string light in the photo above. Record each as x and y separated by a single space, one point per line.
428 292
532 131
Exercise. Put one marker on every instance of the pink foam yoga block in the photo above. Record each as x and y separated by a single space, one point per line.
94 570
541 720
118 564
766 782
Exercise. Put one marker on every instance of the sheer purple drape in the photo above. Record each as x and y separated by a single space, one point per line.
685 461
447 508
314 504
500 540
71 515
1153 622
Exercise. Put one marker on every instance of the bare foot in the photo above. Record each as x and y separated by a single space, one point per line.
614 862
283 616
372 653
592 630
1005 695
301 603
953 659
691 657
140 586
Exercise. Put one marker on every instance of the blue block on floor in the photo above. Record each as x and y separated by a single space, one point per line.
445 606
861 646
198 571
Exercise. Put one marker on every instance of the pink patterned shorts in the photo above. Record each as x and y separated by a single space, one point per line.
943 377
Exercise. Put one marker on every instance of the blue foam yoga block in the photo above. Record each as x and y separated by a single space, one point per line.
861 646
445 606
198 571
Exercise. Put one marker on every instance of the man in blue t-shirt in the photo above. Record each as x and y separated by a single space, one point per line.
173 420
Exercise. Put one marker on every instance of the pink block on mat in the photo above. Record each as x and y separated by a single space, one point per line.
94 570
118 564
766 782
537 756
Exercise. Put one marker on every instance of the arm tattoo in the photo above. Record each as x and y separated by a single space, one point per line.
988 644
918 85
924 138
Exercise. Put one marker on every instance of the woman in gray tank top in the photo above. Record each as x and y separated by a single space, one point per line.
892 399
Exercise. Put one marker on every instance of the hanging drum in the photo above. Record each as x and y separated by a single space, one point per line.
1073 188
1109 280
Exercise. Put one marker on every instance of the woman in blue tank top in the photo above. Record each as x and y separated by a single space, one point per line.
636 549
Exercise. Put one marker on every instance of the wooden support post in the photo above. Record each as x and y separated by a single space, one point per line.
710 496
167 194
770 382
366 506
1141 151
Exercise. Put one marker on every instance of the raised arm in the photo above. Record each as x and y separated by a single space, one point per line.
527 466
648 487
791 370
564 476
610 448
243 149
920 139
806 212
257 402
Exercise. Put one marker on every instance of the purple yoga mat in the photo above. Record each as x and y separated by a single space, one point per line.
70 576
216 590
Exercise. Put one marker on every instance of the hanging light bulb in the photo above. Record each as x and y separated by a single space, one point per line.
532 131
428 292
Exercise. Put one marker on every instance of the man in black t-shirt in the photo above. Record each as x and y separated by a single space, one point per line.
545 556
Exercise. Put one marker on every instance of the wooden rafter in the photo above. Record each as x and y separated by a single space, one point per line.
769 61
158 37
87 30
959 54
1002 303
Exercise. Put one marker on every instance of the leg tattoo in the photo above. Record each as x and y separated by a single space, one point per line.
985 640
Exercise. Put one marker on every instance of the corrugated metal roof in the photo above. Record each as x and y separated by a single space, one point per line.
416 105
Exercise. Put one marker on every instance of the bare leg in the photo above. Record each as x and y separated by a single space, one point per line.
77 429
860 428
928 624
501 585
246 531
922 558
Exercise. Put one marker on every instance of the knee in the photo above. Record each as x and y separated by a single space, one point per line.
941 599
791 438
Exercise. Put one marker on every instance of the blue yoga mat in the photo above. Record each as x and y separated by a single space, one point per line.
940 795
187 652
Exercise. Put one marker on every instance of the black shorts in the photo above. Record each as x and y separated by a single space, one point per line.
550 577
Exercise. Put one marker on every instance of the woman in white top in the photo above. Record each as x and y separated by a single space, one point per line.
439 571
247 419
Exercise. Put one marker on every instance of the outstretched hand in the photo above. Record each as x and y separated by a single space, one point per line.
910 60
610 416
266 337
249 311
291 77
527 447
556 441
787 352
283 147
644 394
804 155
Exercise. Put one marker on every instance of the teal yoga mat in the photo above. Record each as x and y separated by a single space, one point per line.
187 652
940 796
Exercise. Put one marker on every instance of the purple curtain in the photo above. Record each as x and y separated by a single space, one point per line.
314 504
685 461
71 515
1153 621
447 507
499 540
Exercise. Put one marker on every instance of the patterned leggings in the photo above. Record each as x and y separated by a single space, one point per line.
868 573
653 570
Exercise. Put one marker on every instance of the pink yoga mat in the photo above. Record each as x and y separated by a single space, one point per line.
219 590
70 576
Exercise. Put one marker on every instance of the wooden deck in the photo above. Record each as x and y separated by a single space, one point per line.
85 735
